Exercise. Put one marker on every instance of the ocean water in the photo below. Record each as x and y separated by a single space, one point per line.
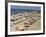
15 11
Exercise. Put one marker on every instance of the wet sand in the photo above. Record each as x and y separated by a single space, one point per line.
20 26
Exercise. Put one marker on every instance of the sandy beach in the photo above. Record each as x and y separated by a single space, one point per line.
32 22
